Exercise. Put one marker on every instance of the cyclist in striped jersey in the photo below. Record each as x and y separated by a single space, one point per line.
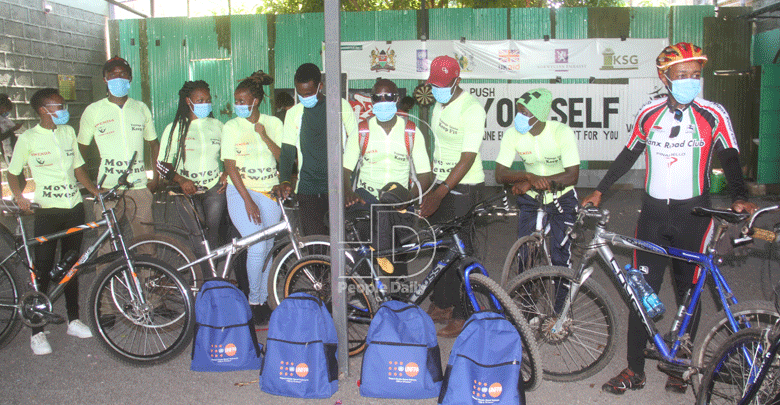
678 134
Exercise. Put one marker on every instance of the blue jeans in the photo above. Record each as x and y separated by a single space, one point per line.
270 212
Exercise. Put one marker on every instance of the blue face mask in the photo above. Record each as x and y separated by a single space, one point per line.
201 110
243 111
118 87
442 94
60 117
522 124
685 90
385 110
308 102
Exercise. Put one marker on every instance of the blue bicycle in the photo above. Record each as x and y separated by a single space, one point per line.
574 319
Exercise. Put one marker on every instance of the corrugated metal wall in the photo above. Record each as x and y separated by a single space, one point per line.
224 50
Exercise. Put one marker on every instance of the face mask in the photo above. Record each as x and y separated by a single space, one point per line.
60 117
308 102
201 110
685 90
442 94
118 87
521 123
385 110
243 111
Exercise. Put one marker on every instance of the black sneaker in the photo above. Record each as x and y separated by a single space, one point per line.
261 314
626 380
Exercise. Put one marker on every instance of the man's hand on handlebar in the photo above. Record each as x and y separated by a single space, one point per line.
521 187
744 206
187 186
351 198
23 203
593 198
282 190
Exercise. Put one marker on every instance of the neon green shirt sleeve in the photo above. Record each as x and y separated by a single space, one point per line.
567 143
473 118
422 164
506 152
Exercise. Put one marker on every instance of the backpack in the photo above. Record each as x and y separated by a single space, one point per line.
402 358
484 364
409 132
300 354
225 338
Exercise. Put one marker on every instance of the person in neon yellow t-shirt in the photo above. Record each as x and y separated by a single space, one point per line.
549 151
386 160
458 125
121 126
250 150
190 156
50 150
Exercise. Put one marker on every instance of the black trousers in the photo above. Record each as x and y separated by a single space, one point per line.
48 221
313 212
446 291
670 224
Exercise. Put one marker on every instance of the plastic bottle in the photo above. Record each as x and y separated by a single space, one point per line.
644 292
67 261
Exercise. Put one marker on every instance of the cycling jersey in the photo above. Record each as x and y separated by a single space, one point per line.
458 128
119 132
678 150
386 159
52 157
200 161
546 154
254 161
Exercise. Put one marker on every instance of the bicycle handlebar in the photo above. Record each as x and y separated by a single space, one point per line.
749 232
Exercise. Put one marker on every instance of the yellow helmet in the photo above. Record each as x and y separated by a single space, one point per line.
678 53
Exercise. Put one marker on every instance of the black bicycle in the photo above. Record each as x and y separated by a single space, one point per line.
366 290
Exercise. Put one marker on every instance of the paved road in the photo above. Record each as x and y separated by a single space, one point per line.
80 372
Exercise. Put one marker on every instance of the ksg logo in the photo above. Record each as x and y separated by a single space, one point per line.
614 61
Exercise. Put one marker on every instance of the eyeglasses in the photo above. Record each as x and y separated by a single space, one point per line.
64 106
376 98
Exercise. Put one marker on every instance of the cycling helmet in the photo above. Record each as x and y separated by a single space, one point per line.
677 53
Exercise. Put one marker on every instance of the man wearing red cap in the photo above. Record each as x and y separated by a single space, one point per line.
458 126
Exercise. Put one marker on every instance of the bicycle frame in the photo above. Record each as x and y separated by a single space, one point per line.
600 245
239 244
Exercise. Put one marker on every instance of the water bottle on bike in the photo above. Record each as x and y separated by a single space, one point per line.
644 292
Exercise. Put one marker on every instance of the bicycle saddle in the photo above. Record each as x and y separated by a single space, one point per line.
726 215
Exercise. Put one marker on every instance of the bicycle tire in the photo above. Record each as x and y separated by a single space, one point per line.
725 380
12 287
172 251
537 256
760 314
312 275
482 286
284 260
136 333
587 343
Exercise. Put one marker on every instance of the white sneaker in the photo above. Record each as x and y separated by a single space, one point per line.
39 344
78 329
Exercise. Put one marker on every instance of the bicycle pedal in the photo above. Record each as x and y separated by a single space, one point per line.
676 370
51 317
652 354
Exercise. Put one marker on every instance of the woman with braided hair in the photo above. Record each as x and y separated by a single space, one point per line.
250 150
190 156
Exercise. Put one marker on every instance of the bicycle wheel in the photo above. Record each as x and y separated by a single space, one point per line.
760 315
171 251
586 341
526 253
147 328
312 275
284 260
727 378
12 286
483 287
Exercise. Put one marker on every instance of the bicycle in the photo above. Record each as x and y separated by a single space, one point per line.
480 292
745 367
532 250
574 320
140 307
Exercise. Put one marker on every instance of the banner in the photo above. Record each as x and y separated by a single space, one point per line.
599 58
601 115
